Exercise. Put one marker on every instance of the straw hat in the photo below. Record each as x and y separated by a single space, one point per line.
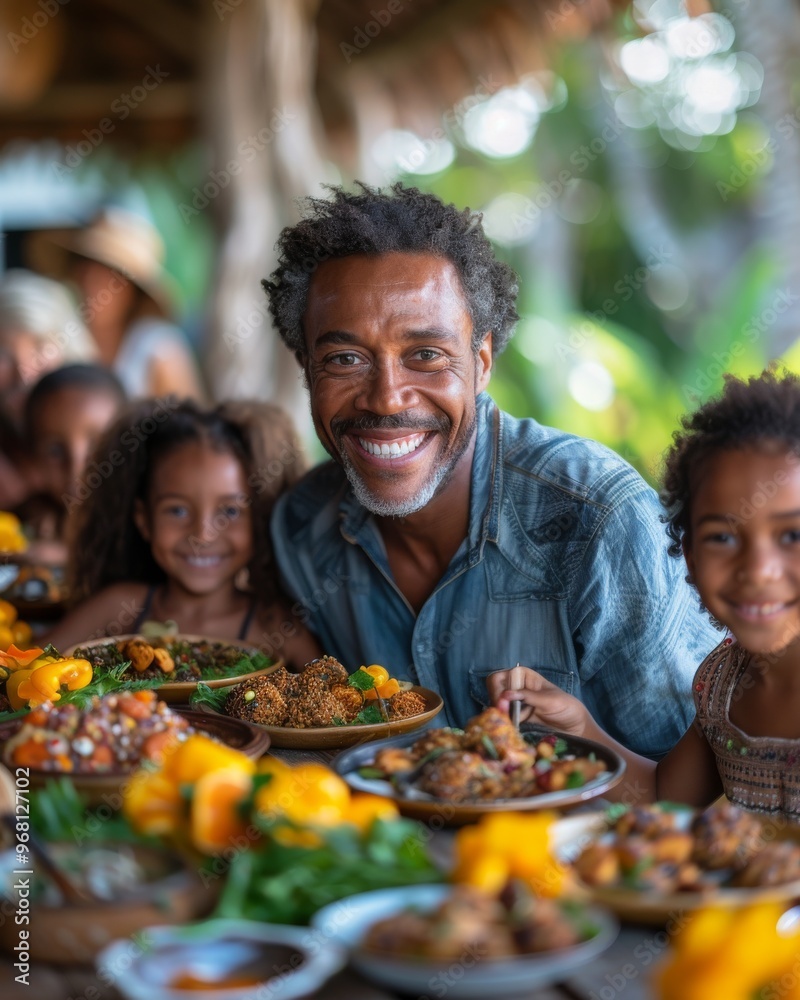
121 240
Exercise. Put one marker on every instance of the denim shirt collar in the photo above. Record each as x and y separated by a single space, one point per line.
359 525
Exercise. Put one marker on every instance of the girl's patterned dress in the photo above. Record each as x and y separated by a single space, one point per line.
759 773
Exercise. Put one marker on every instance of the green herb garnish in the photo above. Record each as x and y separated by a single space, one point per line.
371 772
575 780
277 882
362 681
369 716
213 697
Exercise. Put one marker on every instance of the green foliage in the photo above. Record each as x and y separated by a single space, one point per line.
213 697
59 813
361 680
600 308
281 883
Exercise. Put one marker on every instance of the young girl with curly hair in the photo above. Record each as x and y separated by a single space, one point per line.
172 523
732 496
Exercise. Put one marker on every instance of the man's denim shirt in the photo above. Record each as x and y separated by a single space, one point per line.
565 569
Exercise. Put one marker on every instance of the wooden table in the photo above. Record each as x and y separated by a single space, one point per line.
621 973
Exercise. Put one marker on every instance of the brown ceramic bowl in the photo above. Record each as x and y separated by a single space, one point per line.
72 934
339 737
179 692
105 789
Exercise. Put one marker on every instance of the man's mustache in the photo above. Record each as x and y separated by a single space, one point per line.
395 421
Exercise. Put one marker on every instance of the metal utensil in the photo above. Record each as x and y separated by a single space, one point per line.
515 684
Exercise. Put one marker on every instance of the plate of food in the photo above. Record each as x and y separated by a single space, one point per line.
324 707
410 939
459 775
175 664
649 862
99 746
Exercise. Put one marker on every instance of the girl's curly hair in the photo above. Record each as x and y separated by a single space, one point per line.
746 414
402 219
105 544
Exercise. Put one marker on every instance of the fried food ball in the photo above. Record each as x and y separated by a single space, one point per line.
404 704
257 701
317 677
283 680
327 668
305 713
350 700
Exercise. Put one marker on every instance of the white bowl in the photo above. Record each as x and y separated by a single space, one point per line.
470 978
296 961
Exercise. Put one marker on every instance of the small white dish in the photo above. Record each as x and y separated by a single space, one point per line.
471 978
8 574
294 961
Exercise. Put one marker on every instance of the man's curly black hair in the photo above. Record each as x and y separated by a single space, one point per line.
763 410
402 219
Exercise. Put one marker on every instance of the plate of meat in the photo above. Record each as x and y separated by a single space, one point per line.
648 863
506 944
456 776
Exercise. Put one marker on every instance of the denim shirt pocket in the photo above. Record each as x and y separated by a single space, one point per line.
565 679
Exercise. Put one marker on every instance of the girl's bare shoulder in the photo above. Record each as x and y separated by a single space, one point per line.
111 611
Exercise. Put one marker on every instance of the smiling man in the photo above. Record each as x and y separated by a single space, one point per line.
446 539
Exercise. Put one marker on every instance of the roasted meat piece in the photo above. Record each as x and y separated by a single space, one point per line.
775 864
460 776
395 760
598 864
726 837
542 927
649 821
494 726
438 739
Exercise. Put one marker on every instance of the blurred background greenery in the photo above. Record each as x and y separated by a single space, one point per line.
641 186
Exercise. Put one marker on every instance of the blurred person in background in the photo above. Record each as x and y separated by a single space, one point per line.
65 415
127 302
39 330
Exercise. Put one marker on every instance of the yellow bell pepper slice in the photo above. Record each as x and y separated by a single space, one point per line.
44 683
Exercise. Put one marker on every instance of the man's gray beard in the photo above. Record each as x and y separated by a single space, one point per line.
438 479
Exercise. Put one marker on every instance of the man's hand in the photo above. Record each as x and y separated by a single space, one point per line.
542 701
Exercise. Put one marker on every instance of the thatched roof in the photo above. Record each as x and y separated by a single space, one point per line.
338 71
64 68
